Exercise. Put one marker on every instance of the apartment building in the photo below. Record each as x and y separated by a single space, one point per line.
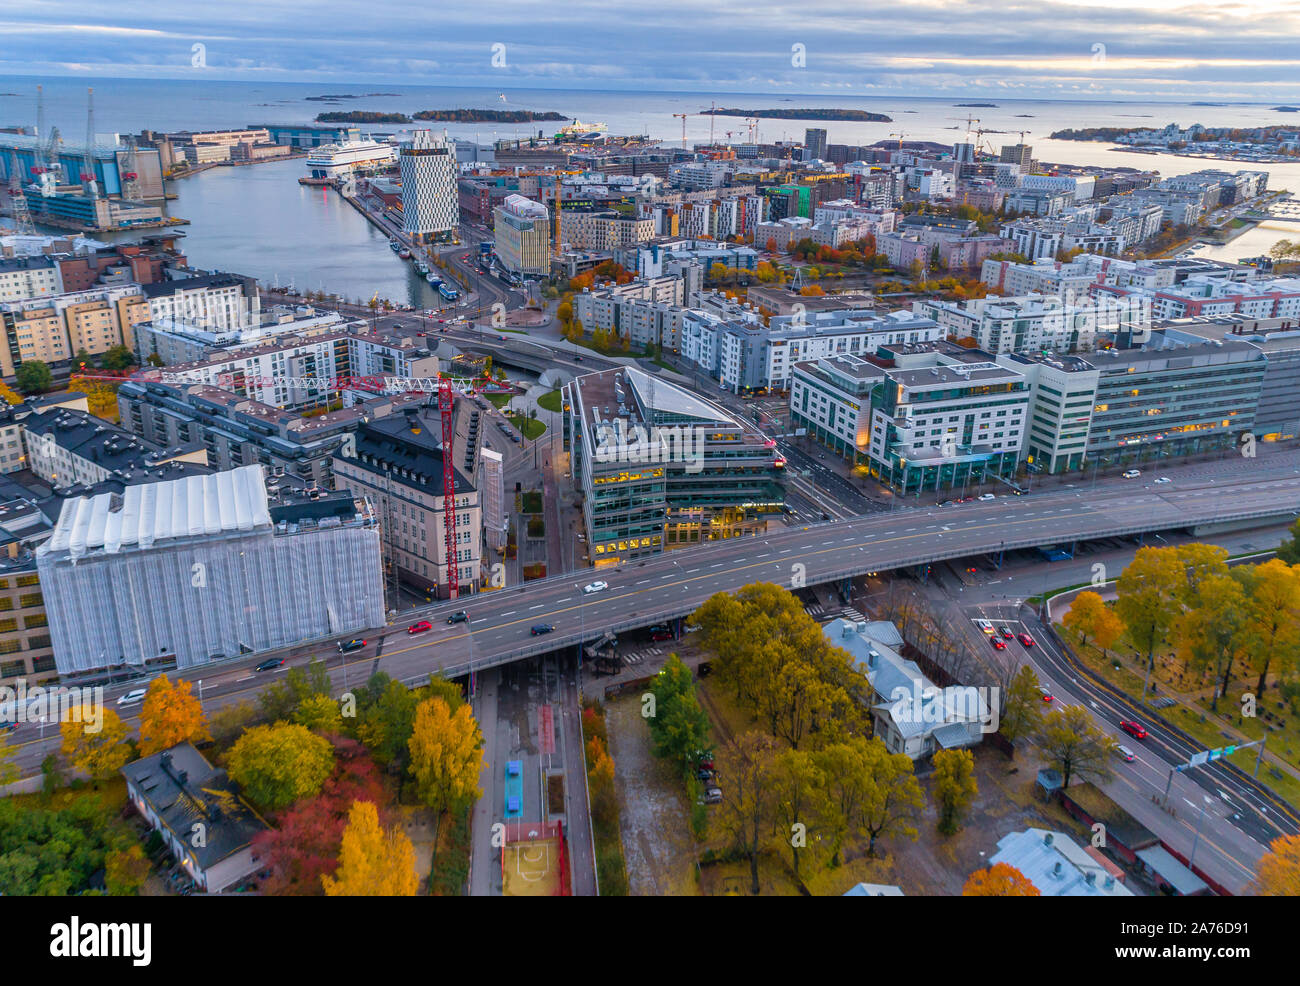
220 302
1063 392
646 311
396 462
602 230
1034 323
1209 295
175 340
24 278
67 447
55 328
308 371
660 468
744 355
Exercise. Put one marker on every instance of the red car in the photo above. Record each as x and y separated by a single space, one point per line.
1047 696
1025 639
1134 729
997 643
419 627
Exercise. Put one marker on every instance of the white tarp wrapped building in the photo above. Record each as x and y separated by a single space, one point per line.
203 567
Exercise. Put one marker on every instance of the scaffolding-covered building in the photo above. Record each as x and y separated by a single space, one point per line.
182 572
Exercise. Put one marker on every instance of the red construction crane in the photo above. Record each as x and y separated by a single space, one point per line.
446 401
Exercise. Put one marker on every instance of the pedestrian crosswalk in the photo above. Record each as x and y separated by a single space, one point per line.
640 656
824 614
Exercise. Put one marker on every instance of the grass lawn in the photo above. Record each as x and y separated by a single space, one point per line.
530 428
500 400
549 402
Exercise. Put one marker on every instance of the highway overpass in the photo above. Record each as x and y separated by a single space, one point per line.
673 585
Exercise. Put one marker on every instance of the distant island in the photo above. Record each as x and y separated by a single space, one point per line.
981 105
441 116
488 116
331 97
857 116
361 116
1094 133
1287 109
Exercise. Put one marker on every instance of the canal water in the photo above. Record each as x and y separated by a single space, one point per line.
258 220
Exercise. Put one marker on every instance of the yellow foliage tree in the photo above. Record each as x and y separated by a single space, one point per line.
446 756
1089 616
999 880
372 862
171 714
125 870
10 395
1278 874
97 746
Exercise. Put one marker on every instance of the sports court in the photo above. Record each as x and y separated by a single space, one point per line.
533 862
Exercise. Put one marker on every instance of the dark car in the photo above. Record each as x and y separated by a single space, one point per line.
997 643
460 616
541 628
269 663
660 633
577 358
356 643
7 727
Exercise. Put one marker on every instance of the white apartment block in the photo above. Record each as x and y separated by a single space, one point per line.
1034 323
1079 187
220 302
24 278
647 310
603 231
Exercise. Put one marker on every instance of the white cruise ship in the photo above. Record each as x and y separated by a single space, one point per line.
330 161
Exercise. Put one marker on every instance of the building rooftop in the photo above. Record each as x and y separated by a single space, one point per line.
184 790
1056 865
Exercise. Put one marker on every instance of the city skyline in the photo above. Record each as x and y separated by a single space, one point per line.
1078 50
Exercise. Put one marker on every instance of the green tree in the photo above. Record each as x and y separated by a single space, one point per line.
276 765
320 714
386 715
954 787
125 871
1289 550
1075 747
1022 705
9 771
117 358
33 377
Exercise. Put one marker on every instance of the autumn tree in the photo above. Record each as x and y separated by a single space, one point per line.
101 752
1090 617
281 699
954 787
227 722
744 818
171 714
276 765
446 757
320 714
304 843
373 861
1147 601
799 804
125 871
9 771
1075 747
999 880
1208 633
1278 871
893 798
1271 626
1022 705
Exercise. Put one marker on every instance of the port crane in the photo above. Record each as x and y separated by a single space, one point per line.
18 200
88 161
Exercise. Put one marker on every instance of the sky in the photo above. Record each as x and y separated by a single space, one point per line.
1086 49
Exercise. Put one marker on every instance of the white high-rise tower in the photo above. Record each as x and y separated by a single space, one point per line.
430 203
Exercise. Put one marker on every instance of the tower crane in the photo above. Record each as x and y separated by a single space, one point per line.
900 135
683 117
752 123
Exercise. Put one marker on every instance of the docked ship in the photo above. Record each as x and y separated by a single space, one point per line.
577 130
331 162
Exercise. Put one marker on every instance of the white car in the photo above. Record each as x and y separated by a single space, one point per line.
133 697
986 627
1125 754
1164 479
595 587
984 497
1132 473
